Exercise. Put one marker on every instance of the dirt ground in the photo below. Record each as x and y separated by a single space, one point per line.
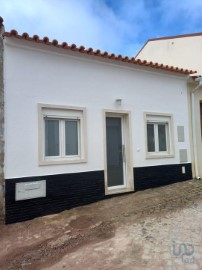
153 229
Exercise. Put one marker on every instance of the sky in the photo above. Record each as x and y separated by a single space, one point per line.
115 26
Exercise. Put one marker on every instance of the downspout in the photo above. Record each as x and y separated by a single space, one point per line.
199 80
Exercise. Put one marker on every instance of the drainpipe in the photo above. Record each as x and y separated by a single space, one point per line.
199 80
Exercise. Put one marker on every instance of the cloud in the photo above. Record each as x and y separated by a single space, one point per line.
90 23
184 16
117 26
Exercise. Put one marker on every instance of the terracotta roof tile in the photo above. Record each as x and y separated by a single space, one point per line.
98 53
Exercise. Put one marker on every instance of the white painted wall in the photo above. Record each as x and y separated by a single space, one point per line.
54 76
184 52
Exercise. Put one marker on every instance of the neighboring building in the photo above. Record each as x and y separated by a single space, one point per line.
81 125
184 51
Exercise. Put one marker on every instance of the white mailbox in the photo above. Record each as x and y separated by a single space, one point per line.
30 190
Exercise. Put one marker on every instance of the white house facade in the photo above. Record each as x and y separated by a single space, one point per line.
185 51
81 126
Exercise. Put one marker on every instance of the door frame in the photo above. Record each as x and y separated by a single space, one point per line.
126 125
123 142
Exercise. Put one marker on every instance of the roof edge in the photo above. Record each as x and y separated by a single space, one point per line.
141 49
98 53
177 36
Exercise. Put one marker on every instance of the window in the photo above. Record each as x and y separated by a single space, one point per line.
62 134
62 137
159 138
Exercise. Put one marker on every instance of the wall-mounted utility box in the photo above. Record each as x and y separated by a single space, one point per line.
30 190
183 155
180 133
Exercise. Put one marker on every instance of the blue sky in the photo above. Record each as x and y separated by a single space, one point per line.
118 26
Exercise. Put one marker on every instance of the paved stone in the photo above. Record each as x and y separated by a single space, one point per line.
157 229
171 240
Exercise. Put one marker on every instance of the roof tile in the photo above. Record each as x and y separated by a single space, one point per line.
98 53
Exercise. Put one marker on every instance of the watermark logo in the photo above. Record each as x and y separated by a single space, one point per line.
184 251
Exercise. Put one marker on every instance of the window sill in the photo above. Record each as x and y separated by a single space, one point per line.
158 156
118 190
62 161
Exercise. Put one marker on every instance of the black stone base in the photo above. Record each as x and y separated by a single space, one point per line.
156 176
65 191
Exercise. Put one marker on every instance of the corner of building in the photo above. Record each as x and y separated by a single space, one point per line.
2 195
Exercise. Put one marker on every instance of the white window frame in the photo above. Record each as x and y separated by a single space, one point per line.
62 113
157 119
